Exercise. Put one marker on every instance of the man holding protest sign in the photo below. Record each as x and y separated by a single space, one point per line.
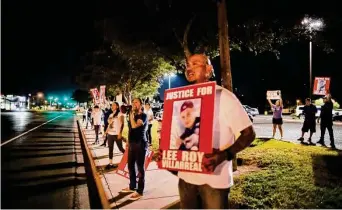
211 186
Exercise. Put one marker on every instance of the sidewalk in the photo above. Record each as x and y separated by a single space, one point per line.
161 187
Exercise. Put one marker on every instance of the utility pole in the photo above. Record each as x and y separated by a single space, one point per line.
226 72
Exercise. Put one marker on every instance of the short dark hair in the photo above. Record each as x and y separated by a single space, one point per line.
308 99
96 106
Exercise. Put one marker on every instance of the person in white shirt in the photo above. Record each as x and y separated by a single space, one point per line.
206 191
114 132
148 111
97 116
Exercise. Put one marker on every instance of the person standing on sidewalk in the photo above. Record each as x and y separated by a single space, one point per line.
114 132
107 113
309 112
137 148
96 115
89 119
148 111
326 121
84 115
277 119
206 191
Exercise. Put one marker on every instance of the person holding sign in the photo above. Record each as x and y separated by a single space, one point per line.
211 189
137 148
277 119
326 121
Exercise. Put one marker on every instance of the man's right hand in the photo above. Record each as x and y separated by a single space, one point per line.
160 155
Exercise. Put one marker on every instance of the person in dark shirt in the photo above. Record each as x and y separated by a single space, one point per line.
105 120
137 148
326 121
309 112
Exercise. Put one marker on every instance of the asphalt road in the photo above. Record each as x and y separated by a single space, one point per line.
44 168
292 130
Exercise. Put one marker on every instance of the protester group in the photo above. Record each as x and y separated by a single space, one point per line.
232 131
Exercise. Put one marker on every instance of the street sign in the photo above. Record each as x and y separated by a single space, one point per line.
273 94
321 85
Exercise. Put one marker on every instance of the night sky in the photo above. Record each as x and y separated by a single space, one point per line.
43 41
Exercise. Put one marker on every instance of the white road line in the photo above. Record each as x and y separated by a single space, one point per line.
12 139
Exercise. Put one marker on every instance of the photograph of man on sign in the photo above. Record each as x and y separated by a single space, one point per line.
187 123
321 86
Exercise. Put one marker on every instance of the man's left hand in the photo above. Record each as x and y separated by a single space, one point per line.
211 161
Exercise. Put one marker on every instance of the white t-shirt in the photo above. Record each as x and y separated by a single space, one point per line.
97 116
149 114
230 118
114 128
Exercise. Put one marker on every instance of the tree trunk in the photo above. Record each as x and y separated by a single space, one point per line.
187 52
226 73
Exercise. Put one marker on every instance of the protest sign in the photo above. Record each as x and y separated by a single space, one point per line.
123 165
273 94
321 85
187 127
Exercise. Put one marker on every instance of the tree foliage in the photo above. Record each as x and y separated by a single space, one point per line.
320 102
81 95
254 35
131 70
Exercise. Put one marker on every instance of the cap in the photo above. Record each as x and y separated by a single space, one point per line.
186 104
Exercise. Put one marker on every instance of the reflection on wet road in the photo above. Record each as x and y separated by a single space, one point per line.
44 168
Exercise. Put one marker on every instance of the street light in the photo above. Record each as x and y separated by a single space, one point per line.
50 98
169 75
311 25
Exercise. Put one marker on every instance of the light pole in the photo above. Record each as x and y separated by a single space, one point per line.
50 100
311 25
169 75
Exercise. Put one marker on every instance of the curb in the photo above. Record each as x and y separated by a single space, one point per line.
169 206
100 199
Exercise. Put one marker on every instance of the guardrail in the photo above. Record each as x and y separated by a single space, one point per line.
98 198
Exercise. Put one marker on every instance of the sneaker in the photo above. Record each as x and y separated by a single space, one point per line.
135 196
109 166
301 139
127 190
310 142
321 143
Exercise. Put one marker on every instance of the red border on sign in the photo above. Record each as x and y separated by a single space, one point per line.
206 118
121 167
327 86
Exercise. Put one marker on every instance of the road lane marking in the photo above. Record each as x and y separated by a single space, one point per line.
12 139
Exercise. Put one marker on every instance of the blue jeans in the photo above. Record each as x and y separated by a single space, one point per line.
202 196
136 156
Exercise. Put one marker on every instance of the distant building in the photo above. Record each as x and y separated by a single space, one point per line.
12 102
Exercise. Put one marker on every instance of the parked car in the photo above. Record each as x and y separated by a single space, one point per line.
251 110
337 115
159 115
249 114
300 108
